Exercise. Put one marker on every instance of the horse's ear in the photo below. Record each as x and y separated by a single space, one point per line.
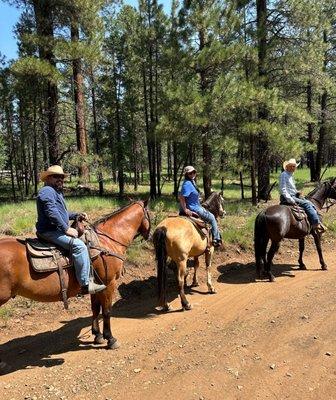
221 193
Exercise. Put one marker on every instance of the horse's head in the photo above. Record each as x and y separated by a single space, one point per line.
215 204
332 189
145 225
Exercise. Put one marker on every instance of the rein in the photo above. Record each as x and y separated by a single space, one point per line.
105 251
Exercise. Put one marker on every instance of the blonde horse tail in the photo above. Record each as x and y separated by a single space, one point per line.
159 240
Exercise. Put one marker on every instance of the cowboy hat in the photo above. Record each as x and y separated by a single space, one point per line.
52 170
188 169
291 161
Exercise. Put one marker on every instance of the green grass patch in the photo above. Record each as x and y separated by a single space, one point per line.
5 313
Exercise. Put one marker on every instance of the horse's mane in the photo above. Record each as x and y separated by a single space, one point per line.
105 217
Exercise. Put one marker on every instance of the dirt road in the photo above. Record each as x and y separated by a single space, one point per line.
252 340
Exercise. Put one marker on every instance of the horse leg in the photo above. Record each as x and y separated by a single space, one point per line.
317 239
106 302
195 280
5 295
273 249
95 307
208 259
301 249
181 273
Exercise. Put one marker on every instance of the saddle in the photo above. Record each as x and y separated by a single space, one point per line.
202 227
46 257
298 212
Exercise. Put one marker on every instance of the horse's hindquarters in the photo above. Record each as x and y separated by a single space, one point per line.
18 278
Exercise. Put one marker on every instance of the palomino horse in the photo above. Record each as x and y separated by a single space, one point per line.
115 231
177 238
277 222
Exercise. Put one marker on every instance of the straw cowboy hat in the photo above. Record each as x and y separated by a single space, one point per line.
188 169
52 170
291 161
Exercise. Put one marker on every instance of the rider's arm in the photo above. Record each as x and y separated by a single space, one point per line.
283 188
183 205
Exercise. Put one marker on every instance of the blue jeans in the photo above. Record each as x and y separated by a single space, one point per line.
310 209
80 254
207 216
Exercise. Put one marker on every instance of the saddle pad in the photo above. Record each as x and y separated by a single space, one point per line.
202 227
298 213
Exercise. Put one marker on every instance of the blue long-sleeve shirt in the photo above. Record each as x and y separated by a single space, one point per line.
52 213
287 186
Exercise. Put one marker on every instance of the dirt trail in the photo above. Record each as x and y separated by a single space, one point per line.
252 340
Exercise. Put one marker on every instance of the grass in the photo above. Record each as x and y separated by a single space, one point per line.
6 312
18 219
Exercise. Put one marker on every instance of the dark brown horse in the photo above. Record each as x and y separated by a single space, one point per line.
115 231
178 238
277 222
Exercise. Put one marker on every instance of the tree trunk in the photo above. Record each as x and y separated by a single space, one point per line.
44 24
323 122
253 171
120 145
321 138
207 156
79 107
96 134
263 148
310 137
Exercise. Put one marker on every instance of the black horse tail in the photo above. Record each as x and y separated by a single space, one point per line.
260 240
159 240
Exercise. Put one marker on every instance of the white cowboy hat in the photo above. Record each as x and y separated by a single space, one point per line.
291 161
52 170
188 169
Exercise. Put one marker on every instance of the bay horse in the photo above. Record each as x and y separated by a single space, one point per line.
277 222
116 231
178 238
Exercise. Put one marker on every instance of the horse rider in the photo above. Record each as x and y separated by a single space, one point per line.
53 226
290 195
190 203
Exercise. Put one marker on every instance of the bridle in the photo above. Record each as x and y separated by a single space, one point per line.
329 202
146 217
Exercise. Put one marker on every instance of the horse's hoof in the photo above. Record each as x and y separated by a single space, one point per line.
167 308
212 291
187 307
194 284
99 339
113 344
302 267
324 268
271 278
